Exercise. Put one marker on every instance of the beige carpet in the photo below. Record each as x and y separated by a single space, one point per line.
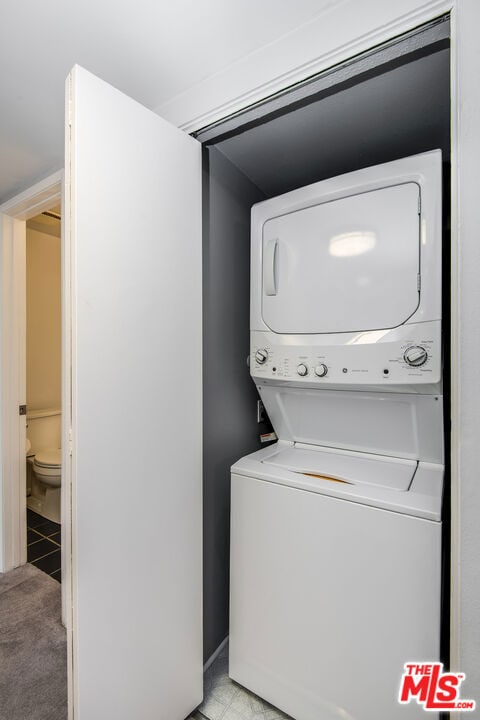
33 651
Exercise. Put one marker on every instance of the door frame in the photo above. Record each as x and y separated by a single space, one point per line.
13 217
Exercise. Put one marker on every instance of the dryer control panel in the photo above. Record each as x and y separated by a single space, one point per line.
407 355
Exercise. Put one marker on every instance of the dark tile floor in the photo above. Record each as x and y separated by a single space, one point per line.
43 544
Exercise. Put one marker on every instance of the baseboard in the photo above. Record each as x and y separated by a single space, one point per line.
215 654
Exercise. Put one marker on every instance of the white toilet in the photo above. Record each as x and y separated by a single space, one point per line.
46 482
44 463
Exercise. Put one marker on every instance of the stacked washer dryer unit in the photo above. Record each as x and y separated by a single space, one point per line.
336 529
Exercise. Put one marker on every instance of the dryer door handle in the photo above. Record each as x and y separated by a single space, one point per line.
270 262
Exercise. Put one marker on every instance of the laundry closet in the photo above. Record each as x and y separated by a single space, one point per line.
140 317
392 102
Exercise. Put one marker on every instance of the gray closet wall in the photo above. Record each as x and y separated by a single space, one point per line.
230 420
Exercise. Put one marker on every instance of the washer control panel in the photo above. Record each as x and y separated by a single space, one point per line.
406 355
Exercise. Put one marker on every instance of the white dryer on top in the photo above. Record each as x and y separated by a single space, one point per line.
346 279
336 535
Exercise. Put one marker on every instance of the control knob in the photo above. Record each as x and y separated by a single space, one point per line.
261 356
415 356
321 370
302 369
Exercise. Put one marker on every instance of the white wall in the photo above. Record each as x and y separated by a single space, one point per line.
340 30
43 319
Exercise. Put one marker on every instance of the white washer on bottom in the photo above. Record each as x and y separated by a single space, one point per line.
334 585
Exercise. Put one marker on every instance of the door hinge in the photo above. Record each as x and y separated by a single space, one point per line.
22 409
419 282
419 204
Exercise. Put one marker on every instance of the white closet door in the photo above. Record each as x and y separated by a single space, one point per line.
133 207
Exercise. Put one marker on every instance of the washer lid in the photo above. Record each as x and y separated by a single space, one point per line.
48 458
387 483
344 467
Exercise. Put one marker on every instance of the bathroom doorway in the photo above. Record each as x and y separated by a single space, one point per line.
43 359
44 196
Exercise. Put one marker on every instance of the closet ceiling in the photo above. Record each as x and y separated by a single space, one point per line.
399 112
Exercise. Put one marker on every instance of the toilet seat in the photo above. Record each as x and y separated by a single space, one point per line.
47 466
46 484
48 459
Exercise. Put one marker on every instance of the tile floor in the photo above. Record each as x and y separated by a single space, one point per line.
43 544
225 700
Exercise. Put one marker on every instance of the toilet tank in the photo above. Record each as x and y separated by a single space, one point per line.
44 428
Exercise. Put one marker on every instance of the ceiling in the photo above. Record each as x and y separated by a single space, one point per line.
152 50
399 112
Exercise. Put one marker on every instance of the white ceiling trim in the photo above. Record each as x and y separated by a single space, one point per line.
41 196
342 30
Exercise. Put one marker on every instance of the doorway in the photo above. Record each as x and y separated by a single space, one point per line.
43 390
40 198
